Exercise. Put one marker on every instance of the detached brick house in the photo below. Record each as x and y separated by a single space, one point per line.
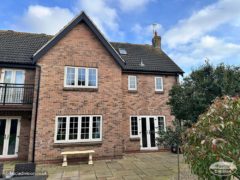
76 91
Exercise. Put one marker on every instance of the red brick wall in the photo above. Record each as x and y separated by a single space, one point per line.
79 47
112 100
145 101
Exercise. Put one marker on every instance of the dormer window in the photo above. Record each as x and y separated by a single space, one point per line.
81 77
122 51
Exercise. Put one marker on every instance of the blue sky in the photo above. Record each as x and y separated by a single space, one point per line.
192 30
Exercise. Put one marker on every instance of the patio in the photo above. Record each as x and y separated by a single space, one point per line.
156 165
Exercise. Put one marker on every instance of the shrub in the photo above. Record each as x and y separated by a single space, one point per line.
216 136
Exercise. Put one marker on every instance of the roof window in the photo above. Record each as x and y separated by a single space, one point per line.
122 51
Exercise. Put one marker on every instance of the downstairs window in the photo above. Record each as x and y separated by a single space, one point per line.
78 129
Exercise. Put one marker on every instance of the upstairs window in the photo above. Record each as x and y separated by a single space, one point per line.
132 83
158 84
81 77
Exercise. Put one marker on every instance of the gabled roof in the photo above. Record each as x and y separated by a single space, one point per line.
146 58
26 48
81 18
18 47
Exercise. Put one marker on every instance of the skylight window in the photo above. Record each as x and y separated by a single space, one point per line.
122 51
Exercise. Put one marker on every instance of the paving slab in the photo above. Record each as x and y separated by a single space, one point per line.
154 165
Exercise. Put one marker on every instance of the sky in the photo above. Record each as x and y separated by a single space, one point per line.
192 31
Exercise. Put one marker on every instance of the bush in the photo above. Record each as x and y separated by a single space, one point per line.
216 136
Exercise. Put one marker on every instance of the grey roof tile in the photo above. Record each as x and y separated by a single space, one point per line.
18 48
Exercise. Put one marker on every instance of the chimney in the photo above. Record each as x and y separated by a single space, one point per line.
156 41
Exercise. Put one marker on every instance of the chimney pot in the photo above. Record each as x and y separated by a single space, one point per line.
156 41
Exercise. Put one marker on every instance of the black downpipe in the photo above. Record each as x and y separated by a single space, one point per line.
35 126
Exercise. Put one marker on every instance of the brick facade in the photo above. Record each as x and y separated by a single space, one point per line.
81 48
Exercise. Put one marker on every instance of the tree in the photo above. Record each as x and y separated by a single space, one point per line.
215 137
192 97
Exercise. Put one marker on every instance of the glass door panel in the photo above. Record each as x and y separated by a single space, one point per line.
18 89
2 135
152 132
12 137
144 132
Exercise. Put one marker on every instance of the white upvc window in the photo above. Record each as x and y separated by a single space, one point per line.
86 128
161 123
132 83
134 127
158 84
81 77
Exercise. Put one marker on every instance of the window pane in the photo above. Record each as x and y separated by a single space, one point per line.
132 82
81 77
134 126
92 77
61 128
158 83
19 79
8 77
73 128
96 127
161 123
85 127
70 76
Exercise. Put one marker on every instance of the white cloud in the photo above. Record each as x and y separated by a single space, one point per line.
203 21
129 5
207 47
42 19
144 34
104 16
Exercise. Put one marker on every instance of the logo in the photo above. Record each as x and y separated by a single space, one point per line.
223 168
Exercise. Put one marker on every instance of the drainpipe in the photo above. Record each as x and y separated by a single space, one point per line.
36 113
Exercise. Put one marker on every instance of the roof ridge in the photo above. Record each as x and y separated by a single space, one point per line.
20 32
137 44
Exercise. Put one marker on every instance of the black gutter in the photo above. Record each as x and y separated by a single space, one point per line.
15 65
152 72
36 113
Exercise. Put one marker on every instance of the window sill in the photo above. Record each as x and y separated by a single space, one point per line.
132 91
159 92
74 144
80 89
134 138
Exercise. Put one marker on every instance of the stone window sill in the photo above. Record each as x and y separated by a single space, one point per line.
159 92
134 138
76 144
132 91
80 89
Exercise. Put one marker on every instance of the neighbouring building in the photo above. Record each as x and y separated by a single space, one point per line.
76 91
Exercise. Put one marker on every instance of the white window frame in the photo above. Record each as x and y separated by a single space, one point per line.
129 85
164 122
76 77
158 90
78 140
13 78
138 125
